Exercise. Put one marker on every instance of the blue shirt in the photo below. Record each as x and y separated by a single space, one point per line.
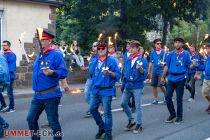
178 65
155 59
11 61
206 68
133 78
194 69
92 61
41 82
100 80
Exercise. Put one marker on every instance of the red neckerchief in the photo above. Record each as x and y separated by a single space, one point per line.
158 49
134 56
101 60
179 52
49 49
193 53
110 54
8 52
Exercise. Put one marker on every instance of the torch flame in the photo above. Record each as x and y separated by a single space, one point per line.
146 53
115 35
40 31
76 91
110 41
206 36
99 37
22 36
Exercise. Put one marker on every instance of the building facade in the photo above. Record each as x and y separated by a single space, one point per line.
24 16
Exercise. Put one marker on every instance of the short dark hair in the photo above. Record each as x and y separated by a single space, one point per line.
179 39
8 43
157 40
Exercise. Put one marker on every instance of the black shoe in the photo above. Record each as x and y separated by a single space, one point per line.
139 128
100 133
130 125
107 136
88 114
170 119
6 126
178 120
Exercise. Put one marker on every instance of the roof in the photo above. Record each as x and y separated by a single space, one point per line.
49 2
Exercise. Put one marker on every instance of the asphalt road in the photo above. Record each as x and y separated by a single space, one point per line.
196 124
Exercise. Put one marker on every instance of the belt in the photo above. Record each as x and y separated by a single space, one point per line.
177 73
103 88
47 90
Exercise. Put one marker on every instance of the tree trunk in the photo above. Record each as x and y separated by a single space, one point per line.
165 30
123 19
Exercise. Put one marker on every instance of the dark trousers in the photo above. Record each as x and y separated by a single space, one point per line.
51 108
190 85
179 88
10 95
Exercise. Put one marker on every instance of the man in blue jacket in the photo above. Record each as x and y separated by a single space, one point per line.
11 61
105 74
135 71
192 73
177 64
45 83
206 82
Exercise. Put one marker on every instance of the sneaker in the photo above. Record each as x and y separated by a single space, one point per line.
139 128
2 108
99 134
107 136
6 126
88 114
155 102
170 119
9 110
130 125
191 100
178 120
164 102
208 109
114 98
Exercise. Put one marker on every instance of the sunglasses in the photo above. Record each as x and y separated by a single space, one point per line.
100 49
158 43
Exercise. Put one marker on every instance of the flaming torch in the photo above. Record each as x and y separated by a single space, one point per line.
100 36
107 52
39 32
22 48
115 40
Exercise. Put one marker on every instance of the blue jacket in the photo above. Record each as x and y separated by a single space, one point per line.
41 82
11 61
194 69
104 84
133 78
92 61
206 68
155 58
178 65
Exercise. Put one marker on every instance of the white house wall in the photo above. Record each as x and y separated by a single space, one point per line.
22 17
